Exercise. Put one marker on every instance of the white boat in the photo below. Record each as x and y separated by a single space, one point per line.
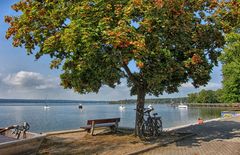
22 143
46 107
121 108
182 106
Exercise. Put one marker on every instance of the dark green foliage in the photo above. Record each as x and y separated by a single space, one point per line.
174 42
231 68
205 96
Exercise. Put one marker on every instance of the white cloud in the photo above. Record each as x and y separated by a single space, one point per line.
24 79
33 85
212 86
107 93
187 85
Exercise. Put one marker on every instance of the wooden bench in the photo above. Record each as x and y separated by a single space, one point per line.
95 123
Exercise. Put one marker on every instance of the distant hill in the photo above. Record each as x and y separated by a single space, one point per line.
74 102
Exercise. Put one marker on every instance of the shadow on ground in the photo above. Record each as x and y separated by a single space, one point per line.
102 143
215 130
122 143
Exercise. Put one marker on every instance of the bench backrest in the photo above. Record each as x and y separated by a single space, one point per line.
102 121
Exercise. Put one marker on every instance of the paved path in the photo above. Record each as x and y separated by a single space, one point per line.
220 137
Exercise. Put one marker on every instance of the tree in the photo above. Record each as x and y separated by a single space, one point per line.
171 42
192 98
231 54
204 96
219 94
231 68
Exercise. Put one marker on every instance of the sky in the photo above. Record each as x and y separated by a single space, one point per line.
22 77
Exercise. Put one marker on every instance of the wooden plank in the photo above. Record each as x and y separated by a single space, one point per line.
102 121
88 128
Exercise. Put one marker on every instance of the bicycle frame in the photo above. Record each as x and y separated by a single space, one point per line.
151 126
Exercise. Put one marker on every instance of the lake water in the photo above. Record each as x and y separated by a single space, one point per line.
62 117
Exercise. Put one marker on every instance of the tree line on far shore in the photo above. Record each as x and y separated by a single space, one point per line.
154 101
204 96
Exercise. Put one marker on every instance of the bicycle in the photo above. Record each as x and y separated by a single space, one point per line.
151 126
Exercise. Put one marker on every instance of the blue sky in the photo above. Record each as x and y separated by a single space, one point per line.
23 77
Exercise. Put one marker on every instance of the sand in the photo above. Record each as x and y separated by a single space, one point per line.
103 143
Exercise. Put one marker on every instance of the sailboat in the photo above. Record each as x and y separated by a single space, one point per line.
121 107
46 107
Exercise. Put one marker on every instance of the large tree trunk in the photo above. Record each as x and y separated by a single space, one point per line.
139 109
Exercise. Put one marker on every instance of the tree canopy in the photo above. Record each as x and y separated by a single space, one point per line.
95 39
170 41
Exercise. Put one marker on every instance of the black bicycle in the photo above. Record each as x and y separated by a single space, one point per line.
151 126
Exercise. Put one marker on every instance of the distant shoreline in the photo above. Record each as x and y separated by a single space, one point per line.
177 101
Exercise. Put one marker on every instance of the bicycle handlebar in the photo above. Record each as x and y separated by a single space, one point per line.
146 110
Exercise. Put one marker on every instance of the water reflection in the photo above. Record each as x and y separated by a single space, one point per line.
183 114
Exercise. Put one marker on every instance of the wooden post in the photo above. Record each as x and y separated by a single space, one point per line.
92 129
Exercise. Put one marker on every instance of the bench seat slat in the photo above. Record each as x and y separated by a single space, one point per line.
101 121
98 125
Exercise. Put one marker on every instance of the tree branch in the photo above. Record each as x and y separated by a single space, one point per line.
130 75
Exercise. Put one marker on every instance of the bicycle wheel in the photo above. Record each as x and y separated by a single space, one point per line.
158 126
146 131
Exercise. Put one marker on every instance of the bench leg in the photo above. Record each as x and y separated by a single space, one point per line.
116 127
92 128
